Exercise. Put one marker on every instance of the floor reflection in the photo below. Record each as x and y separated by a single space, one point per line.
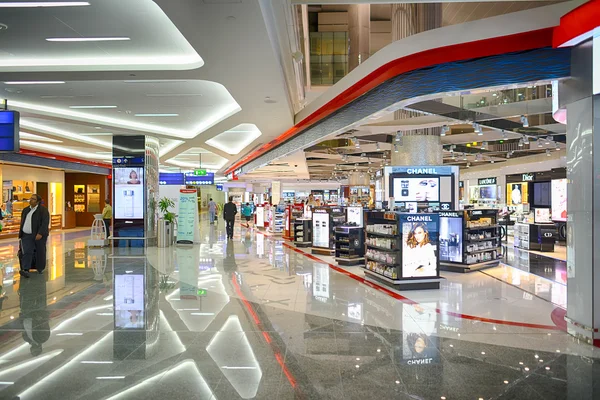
251 318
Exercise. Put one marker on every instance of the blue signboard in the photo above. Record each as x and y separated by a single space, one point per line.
9 131
171 178
219 188
125 161
194 180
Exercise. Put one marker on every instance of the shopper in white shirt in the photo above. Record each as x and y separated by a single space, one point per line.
35 221
419 255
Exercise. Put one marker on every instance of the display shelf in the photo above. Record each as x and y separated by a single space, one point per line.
56 222
381 235
393 265
302 233
352 238
382 248
460 250
540 237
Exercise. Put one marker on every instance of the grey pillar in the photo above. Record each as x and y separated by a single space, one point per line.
583 192
359 27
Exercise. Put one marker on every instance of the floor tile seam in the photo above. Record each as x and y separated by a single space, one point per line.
409 301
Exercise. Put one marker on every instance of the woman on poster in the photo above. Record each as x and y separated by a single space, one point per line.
419 254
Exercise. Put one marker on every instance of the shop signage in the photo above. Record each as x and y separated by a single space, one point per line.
171 178
200 172
528 177
461 184
486 181
445 206
548 234
423 170
232 176
237 172
219 188
194 180
477 213
202 292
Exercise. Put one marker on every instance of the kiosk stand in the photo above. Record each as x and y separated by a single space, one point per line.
469 240
402 249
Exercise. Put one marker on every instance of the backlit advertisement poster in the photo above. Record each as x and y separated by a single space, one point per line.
542 215
355 216
517 193
129 193
320 229
416 189
559 200
129 301
419 334
451 237
420 238
260 217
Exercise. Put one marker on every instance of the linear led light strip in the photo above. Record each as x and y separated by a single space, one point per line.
144 63
225 112
34 4
89 39
64 134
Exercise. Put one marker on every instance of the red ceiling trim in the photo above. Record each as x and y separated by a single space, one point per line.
577 22
457 52
64 158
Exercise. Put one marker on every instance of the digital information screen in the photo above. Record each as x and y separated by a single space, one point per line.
9 131
129 301
416 189
451 238
129 192
171 178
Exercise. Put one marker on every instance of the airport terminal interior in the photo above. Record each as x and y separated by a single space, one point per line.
299 199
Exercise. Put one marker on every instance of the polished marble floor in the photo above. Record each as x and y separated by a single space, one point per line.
257 318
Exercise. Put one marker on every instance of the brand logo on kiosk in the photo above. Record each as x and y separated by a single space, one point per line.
422 171
528 177
451 214
548 234
421 361
420 218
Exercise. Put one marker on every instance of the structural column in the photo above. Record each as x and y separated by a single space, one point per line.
359 27
583 193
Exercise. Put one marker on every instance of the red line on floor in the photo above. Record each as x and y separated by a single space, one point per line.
398 296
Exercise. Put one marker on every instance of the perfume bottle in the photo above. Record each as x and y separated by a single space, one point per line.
128 200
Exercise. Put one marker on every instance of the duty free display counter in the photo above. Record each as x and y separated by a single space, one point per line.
469 240
303 232
539 237
401 249
349 245
324 221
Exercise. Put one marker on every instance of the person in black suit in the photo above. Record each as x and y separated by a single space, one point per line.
35 220
229 212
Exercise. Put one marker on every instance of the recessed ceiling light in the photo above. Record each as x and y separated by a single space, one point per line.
92 107
34 4
33 82
156 115
269 100
89 39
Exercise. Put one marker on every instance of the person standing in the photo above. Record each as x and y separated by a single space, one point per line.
229 213
247 213
107 216
33 233
212 211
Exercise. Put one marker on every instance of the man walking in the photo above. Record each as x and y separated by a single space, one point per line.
35 220
212 211
229 213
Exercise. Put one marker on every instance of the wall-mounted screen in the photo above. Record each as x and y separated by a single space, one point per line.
559 200
129 301
129 192
488 192
416 189
542 194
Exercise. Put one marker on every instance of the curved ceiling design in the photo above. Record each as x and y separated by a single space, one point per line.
528 30
235 139
126 35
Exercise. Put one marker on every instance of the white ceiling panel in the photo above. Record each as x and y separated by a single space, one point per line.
154 41
236 139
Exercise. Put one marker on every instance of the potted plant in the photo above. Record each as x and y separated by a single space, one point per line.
164 204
